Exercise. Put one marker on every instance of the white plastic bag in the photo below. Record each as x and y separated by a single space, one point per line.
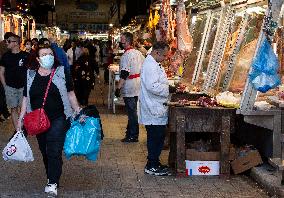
18 149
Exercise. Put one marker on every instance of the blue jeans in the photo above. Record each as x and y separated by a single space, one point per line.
131 109
155 143
51 145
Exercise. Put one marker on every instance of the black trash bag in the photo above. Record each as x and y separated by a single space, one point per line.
92 111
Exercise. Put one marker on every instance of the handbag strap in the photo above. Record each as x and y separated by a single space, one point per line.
47 88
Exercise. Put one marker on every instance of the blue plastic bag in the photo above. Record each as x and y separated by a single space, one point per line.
83 138
264 68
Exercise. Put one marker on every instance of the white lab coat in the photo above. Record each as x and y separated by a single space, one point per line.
154 92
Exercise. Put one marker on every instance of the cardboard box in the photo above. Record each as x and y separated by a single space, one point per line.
194 155
250 160
202 167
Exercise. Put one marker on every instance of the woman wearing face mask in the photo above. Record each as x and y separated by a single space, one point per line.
60 104
28 45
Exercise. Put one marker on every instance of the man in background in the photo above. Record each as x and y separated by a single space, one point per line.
13 74
129 84
3 105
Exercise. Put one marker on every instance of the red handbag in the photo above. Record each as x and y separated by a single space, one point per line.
37 122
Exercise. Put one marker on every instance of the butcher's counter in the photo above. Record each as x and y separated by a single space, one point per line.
188 119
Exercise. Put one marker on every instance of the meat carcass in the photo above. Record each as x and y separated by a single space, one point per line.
184 38
165 20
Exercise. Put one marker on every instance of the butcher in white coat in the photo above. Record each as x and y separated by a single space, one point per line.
154 92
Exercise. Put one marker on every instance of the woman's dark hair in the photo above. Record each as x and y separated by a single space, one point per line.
27 40
32 62
35 39
42 40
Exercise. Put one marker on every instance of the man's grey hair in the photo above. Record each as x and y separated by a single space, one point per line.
128 36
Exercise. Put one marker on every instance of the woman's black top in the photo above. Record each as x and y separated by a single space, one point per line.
54 105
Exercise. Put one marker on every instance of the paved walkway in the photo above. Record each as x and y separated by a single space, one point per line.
117 173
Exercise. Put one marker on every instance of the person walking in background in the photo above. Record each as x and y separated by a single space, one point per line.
60 101
35 43
12 75
73 54
60 53
92 61
107 59
83 77
153 113
97 54
3 105
28 46
129 84
67 45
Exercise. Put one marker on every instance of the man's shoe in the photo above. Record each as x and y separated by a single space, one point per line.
163 167
51 189
129 140
156 171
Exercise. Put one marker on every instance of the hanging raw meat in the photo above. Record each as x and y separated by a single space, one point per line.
183 36
165 20
184 39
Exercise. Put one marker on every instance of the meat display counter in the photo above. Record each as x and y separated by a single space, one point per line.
196 119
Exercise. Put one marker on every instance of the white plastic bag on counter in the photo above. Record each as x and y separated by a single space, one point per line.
18 149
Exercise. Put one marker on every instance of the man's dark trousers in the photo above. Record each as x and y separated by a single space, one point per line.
155 143
131 109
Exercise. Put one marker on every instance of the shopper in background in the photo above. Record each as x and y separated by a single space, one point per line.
28 46
12 75
3 105
97 55
107 59
60 53
35 43
83 77
73 53
92 54
153 113
67 45
129 84
60 101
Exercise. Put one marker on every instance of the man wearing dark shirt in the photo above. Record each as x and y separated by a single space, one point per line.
13 74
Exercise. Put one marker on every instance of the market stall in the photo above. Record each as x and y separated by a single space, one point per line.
226 40
18 23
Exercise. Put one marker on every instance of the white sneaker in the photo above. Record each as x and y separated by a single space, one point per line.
51 189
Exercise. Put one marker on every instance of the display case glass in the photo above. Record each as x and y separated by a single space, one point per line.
197 28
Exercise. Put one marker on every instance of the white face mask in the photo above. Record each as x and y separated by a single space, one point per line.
46 61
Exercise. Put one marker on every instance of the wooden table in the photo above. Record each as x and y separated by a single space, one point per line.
199 119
